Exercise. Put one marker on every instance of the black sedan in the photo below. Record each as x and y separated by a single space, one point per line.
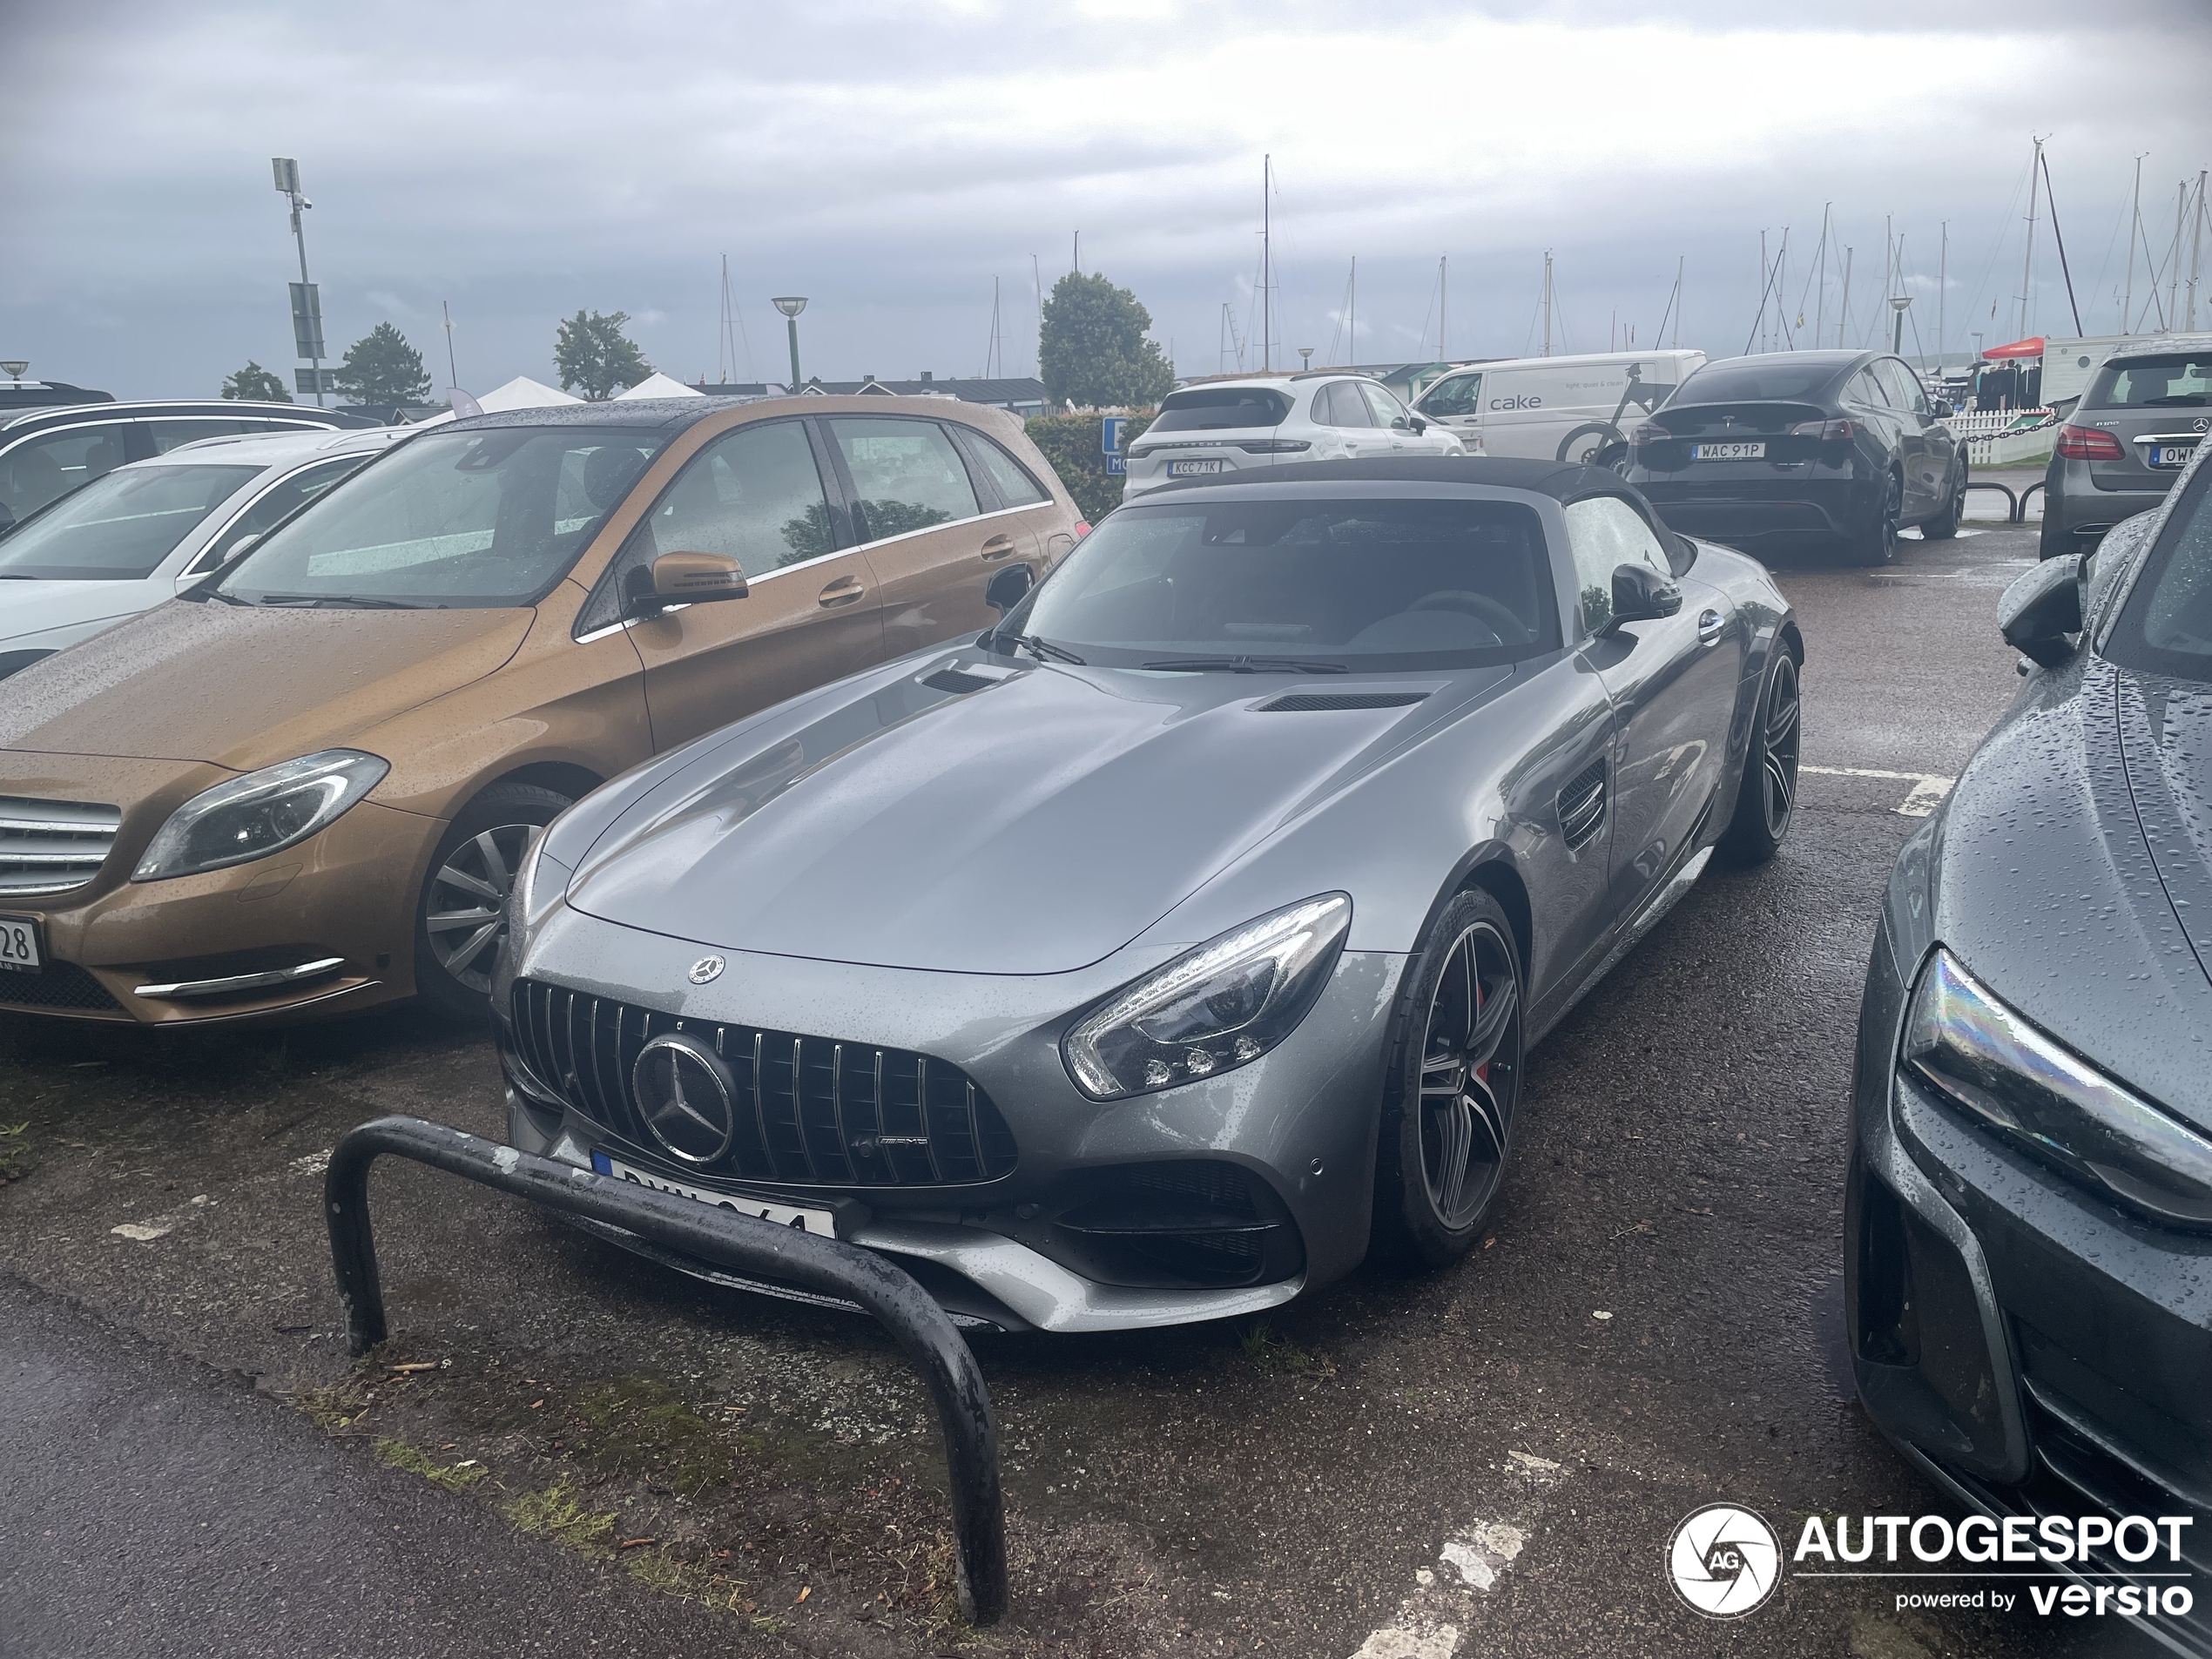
2028 1217
1805 448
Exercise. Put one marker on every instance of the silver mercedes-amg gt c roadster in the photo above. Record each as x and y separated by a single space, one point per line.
1157 953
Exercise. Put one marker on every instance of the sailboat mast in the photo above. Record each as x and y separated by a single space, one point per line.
1266 263
1548 302
1444 303
1843 321
2197 250
2027 259
1678 269
1352 318
1820 301
1943 283
2173 260
2134 230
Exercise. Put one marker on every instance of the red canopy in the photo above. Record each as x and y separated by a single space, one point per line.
2032 347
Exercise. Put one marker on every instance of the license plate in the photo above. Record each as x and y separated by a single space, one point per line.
19 945
2174 456
1728 451
820 1222
1192 468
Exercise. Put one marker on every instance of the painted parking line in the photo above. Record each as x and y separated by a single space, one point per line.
1926 794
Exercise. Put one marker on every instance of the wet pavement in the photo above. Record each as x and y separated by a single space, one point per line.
1490 1461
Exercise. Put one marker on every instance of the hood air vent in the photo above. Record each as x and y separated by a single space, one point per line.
1317 702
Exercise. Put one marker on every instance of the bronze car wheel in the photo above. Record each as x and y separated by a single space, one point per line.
1456 1084
461 920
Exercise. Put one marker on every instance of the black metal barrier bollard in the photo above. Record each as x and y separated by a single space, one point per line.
743 1243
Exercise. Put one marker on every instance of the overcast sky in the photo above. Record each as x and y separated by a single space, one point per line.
891 160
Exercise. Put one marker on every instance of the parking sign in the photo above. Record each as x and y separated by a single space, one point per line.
1110 437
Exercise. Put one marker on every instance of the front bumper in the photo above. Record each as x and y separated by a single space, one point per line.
2036 1351
218 947
1290 1137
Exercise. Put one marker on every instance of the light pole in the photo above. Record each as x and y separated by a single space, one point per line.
1305 357
306 304
1896 340
13 368
791 304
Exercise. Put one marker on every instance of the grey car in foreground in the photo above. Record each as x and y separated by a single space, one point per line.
1139 960
2137 427
2028 1220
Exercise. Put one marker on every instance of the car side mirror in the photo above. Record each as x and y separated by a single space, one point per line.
1008 588
688 579
1943 409
1640 594
2041 612
1419 426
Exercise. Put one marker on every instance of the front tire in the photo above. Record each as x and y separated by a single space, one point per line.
1766 801
461 915
1454 1088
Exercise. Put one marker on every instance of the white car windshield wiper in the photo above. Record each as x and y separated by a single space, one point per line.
1043 650
345 601
1250 665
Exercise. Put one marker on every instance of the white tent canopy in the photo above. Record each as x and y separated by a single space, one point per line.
658 385
523 392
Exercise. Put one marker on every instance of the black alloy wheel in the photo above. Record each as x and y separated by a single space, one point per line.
461 920
1878 546
1456 1084
1945 524
1767 800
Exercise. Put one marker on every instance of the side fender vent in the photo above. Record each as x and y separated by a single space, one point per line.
1582 805
1316 702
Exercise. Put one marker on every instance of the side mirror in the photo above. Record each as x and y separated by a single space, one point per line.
1419 426
688 579
1943 409
1640 594
1008 588
2041 612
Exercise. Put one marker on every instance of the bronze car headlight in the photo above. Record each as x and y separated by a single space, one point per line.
262 813
1213 1008
1979 1056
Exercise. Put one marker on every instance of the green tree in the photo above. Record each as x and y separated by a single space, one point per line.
256 385
1092 348
381 367
594 355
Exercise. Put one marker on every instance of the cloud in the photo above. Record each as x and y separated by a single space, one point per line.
891 160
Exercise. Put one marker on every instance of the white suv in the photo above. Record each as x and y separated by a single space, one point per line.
1227 426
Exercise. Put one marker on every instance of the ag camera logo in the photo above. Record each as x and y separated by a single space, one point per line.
1724 1560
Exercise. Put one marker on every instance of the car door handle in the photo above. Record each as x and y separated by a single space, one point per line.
1708 627
842 591
998 547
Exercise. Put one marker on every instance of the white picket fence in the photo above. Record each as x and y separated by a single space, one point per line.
1998 438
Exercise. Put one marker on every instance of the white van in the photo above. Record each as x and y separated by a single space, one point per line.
1555 408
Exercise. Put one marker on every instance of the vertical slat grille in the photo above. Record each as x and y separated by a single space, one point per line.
811 1111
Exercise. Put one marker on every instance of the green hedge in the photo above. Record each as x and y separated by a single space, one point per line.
1070 442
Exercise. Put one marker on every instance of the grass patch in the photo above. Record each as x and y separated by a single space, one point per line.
1271 1354
15 1152
642 1428
453 1477
559 1514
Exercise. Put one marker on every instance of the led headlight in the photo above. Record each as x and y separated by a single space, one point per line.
1979 1056
1213 1008
262 813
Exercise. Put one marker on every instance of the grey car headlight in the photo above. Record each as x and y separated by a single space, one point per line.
262 813
1213 1008
1983 1058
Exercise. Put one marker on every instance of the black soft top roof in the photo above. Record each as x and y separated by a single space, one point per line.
1563 480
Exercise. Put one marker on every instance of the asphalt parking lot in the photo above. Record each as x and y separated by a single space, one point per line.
562 1450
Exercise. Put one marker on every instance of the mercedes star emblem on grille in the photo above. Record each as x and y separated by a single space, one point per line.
705 968
687 1096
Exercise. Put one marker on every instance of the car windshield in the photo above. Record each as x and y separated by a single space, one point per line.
450 518
2181 381
1303 585
119 528
1220 409
2166 626
1758 382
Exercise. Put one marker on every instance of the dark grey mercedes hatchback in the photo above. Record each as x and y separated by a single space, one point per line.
2028 1222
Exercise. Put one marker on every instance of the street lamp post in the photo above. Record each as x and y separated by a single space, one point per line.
791 304
1897 339
306 304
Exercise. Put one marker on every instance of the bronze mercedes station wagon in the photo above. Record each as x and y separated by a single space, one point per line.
305 784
